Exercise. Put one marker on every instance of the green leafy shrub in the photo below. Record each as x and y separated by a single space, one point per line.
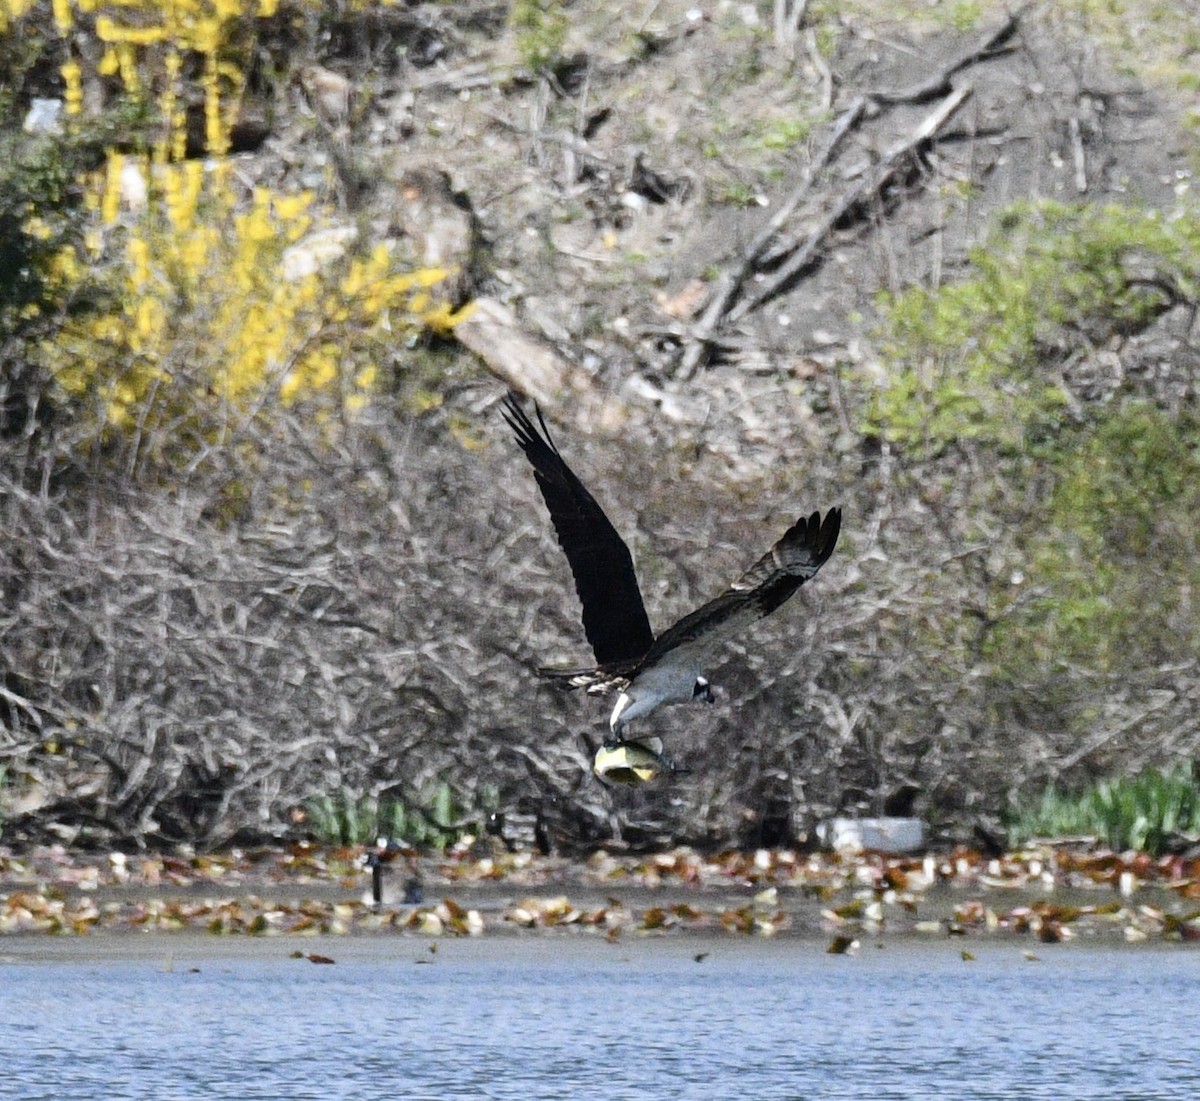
1129 500
36 221
1114 555
432 819
967 360
541 29
1146 812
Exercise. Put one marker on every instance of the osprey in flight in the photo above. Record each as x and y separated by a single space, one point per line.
647 671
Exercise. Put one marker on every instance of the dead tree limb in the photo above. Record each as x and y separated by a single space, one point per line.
938 84
729 282
728 286
787 22
868 185
1080 158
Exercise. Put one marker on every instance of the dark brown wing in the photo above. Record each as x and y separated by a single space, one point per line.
800 552
614 617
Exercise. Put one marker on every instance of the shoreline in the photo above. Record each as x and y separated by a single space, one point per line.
295 894
181 952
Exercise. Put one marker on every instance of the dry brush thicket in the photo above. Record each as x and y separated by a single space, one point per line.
193 652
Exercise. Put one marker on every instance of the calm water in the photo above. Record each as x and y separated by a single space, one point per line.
551 1017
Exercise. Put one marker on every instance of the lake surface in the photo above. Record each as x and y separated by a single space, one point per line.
551 1016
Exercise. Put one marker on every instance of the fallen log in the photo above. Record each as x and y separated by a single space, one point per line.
729 282
867 186
938 84
700 338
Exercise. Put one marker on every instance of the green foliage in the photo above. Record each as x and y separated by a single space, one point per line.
40 215
1117 552
541 28
966 360
42 222
737 193
786 133
965 15
1146 812
432 819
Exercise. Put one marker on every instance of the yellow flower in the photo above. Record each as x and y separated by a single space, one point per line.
208 329
109 64
147 324
63 19
138 252
73 87
206 36
291 208
37 229
216 137
110 204
127 61
65 268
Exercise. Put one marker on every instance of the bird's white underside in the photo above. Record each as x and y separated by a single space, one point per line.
668 681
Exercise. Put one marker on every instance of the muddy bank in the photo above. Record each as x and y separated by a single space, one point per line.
303 893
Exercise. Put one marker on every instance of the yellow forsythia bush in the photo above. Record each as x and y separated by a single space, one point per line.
221 304
217 302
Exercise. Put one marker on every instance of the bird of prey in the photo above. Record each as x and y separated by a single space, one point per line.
645 671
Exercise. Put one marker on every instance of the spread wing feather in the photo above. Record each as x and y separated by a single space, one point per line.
614 617
800 552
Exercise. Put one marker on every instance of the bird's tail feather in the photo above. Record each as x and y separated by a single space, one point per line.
594 681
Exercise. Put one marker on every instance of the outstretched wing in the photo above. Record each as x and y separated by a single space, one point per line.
614 617
801 551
